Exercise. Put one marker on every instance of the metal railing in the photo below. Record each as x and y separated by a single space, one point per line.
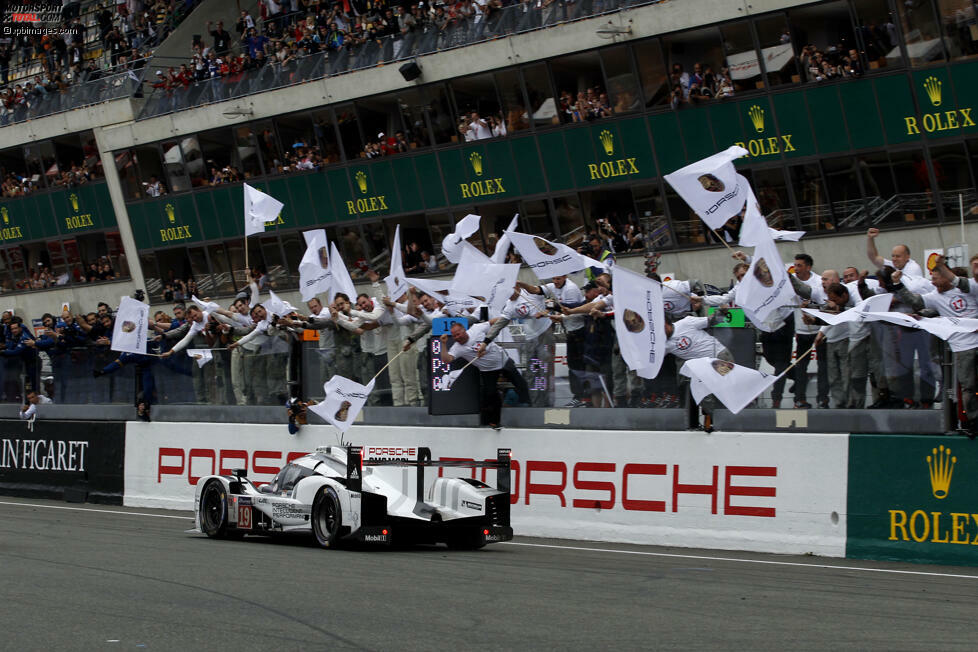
348 57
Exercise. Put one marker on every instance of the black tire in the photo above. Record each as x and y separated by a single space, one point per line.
326 517
466 541
213 510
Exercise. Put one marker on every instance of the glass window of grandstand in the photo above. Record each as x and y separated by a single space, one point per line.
823 36
16 180
690 55
236 258
950 163
515 116
441 116
298 142
177 175
842 180
268 146
117 254
622 93
771 192
777 50
921 32
814 209
6 272
91 158
536 217
17 269
351 245
607 215
580 82
324 130
380 119
416 133
244 156
651 227
294 246
652 72
199 282
49 164
877 34
265 256
128 173
742 62
378 247
151 276
543 104
570 220
416 252
150 169
222 280
174 266
972 145
439 226
478 108
218 167
35 269
70 161
95 257
960 28
687 227
34 160
917 196
349 128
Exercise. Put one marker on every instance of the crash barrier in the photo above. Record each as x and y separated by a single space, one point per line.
76 461
913 498
760 492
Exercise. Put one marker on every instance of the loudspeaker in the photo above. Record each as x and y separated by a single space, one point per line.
410 71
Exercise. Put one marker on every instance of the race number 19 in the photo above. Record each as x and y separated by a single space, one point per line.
244 517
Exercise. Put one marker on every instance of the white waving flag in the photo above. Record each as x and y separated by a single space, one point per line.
341 276
396 285
766 286
711 187
787 236
493 282
314 271
202 356
639 321
440 290
131 323
547 259
205 306
343 402
259 208
276 306
502 245
733 385
454 242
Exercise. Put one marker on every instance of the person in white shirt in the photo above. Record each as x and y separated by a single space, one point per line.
478 127
33 400
529 313
370 320
805 334
953 297
491 361
836 346
899 256
405 378
565 293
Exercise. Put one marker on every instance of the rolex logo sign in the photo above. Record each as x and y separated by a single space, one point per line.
932 85
5 214
8 232
476 160
365 205
941 466
756 115
170 213
73 198
361 178
607 142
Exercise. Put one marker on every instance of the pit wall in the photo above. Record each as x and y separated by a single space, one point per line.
889 497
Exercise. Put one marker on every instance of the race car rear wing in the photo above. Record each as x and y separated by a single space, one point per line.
502 463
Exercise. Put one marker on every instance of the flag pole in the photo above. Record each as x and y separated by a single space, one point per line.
247 267
799 359
389 362
725 244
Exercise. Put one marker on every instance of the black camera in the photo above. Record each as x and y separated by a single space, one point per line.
139 295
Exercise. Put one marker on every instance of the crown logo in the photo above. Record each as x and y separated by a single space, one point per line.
607 141
6 216
476 159
73 198
933 87
941 466
361 178
170 213
756 114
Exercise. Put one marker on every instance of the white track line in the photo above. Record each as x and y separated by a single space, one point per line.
742 561
581 549
100 511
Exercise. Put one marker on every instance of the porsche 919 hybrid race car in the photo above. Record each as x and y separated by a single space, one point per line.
367 494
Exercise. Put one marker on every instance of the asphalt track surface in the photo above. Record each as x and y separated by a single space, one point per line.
87 577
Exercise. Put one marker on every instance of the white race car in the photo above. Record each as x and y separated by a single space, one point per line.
362 494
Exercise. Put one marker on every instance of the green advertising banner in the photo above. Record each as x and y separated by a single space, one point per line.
913 498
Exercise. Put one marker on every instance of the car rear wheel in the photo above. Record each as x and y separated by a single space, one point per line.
214 510
326 517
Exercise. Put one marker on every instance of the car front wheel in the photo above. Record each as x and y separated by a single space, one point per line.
214 510
326 517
